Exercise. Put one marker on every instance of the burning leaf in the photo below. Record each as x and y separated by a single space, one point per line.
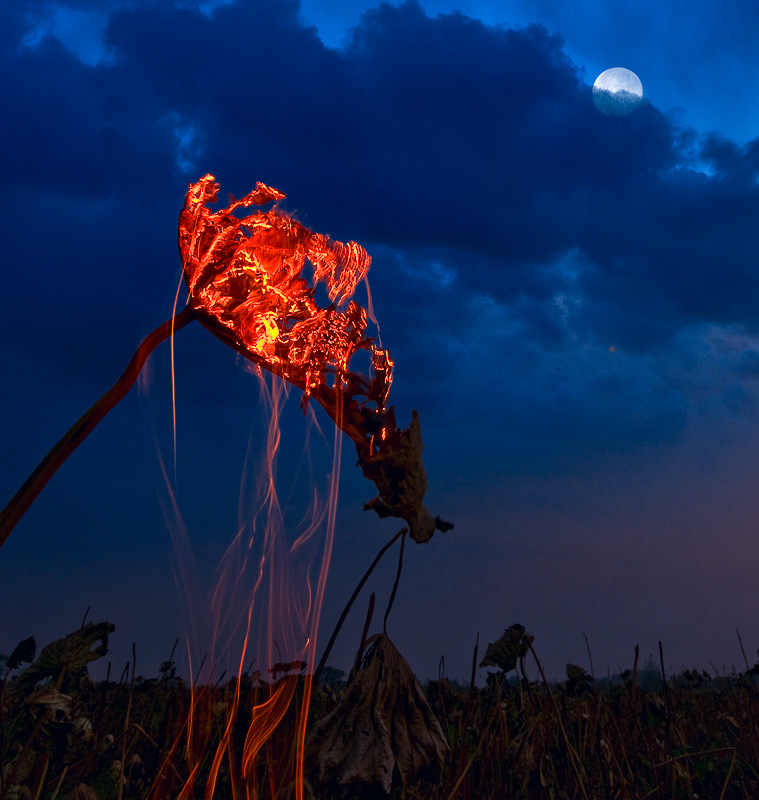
382 725
248 274
506 651
249 286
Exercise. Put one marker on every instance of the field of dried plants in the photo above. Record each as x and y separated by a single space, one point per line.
377 732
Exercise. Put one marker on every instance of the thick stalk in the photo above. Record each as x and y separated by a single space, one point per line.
81 429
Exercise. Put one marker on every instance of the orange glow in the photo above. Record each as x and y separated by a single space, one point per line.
252 279
249 274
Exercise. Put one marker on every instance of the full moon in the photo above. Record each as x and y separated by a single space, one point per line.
617 92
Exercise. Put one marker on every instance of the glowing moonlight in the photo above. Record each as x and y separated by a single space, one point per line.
617 92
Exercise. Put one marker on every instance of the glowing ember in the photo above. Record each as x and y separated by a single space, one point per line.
249 286
249 275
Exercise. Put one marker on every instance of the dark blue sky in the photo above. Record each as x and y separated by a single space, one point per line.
571 300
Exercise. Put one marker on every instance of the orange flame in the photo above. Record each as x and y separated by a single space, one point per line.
249 283
248 274
252 282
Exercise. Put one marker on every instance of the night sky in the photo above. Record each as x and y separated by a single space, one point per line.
571 301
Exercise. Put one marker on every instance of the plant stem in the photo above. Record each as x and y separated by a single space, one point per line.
349 604
395 585
573 757
81 429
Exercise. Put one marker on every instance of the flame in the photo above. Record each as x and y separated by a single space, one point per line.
249 286
249 275
252 281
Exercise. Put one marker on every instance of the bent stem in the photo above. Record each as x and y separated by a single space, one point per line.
81 429
349 604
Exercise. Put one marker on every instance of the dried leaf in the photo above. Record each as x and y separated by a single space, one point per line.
506 651
382 725
66 657
398 473
22 654
50 701
83 792
578 679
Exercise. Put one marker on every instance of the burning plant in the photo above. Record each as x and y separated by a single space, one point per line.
252 282
248 286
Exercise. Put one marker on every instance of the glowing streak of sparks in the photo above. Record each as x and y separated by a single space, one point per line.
247 281
248 287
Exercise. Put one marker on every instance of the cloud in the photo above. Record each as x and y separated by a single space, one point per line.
570 299
468 158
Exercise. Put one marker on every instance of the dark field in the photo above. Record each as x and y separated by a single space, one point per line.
633 736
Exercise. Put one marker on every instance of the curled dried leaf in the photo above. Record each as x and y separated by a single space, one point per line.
50 701
398 473
83 792
382 728
66 658
506 651
23 653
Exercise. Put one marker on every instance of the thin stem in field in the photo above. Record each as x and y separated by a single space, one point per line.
473 757
395 585
81 429
364 633
574 759
740 642
349 604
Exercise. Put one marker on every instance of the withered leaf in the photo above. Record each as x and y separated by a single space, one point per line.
50 701
83 792
578 680
23 653
67 656
281 668
397 471
383 725
506 651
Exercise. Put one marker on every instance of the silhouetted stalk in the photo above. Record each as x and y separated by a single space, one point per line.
727 779
667 707
574 759
364 633
468 711
395 585
349 604
752 696
590 658
59 784
81 429
126 721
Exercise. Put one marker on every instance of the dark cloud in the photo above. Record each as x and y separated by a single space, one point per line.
470 159
444 133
